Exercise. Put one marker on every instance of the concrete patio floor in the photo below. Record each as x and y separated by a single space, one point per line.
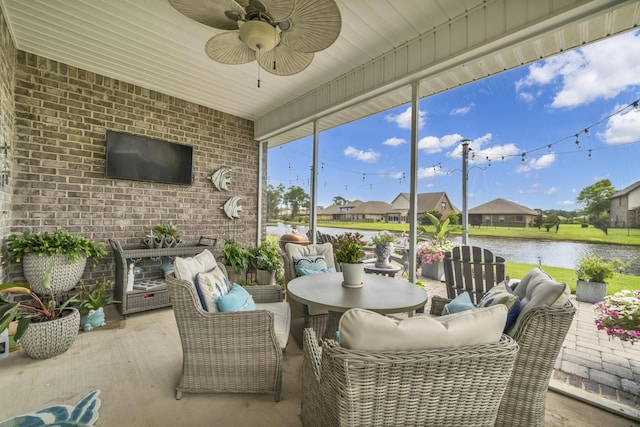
135 363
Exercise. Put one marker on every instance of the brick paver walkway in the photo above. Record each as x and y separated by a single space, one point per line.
590 364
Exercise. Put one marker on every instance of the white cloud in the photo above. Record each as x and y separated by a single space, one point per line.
565 202
600 70
394 142
622 128
364 156
430 172
397 175
552 190
403 120
481 155
462 110
541 162
434 144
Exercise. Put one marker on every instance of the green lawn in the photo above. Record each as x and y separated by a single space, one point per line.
573 232
516 270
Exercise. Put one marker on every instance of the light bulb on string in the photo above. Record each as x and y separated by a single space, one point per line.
524 156
586 132
363 177
549 147
577 142
589 154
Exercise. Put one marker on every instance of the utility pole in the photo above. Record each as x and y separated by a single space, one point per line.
465 177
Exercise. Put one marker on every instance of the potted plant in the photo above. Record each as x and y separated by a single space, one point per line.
619 315
431 251
68 252
166 235
91 302
46 328
267 261
348 252
383 248
592 274
237 259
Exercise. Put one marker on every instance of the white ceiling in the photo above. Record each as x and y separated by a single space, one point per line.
150 44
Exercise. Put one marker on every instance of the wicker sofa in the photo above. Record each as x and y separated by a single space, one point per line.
234 352
540 332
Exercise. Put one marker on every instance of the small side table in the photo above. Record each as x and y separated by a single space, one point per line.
388 271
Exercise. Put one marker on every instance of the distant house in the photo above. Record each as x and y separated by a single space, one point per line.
337 212
625 207
502 213
370 212
426 202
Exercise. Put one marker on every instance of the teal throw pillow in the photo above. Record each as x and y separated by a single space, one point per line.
460 303
237 299
312 264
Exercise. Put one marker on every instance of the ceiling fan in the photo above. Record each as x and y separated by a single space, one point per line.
281 35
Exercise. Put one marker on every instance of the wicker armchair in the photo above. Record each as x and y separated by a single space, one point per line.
540 333
302 313
444 387
234 352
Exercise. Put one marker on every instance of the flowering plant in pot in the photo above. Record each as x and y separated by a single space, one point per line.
619 315
348 251
166 234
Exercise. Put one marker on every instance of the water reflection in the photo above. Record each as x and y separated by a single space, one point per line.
545 252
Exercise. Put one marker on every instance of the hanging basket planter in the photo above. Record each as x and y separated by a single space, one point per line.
65 275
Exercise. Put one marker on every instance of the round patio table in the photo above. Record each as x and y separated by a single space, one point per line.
380 294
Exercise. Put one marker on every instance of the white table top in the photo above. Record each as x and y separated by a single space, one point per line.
380 293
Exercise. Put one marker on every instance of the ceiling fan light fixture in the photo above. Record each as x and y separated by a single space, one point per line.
259 36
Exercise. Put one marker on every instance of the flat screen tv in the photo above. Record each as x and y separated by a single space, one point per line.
139 158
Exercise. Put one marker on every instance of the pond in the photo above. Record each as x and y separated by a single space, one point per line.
564 254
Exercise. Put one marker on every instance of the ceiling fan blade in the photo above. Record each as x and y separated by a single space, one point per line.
282 61
279 10
315 25
213 13
227 48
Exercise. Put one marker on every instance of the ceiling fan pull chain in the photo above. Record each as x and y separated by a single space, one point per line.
258 64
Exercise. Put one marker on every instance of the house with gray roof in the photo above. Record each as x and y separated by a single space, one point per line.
625 207
502 213
373 211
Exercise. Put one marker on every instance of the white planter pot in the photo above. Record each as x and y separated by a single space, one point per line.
64 275
433 271
49 339
352 275
591 292
383 251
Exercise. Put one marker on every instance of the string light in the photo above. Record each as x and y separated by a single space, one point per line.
577 142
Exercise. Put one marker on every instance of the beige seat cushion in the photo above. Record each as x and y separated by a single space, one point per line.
281 319
539 289
366 330
294 249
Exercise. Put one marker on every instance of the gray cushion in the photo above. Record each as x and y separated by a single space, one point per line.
539 289
281 319
188 268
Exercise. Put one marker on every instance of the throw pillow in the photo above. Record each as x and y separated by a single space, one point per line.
188 268
237 299
312 264
210 286
502 294
460 303
369 331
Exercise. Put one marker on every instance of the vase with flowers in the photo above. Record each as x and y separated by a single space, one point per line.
348 252
619 315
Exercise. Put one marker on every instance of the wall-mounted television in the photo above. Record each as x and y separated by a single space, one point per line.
139 158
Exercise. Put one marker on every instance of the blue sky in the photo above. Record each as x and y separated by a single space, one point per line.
536 109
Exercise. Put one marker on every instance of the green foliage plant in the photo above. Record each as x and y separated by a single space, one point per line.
442 230
29 307
60 242
597 269
236 256
347 248
94 298
383 237
167 229
268 256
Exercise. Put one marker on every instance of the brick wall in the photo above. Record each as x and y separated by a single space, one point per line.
7 83
61 117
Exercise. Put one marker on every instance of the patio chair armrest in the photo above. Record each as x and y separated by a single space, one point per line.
437 305
312 353
265 293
